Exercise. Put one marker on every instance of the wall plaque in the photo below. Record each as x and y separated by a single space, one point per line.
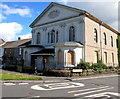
54 14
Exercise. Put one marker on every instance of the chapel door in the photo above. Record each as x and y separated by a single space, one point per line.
70 58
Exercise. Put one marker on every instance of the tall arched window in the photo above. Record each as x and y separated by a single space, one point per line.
111 41
48 37
52 36
56 36
104 39
95 56
72 34
59 57
38 38
113 59
70 58
95 35
105 57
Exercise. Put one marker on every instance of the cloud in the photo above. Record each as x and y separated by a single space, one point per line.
105 11
2 17
8 31
24 11
26 36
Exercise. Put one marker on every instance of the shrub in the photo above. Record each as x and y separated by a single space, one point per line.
98 66
110 67
83 65
58 73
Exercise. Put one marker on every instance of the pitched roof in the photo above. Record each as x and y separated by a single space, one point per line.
17 43
75 9
2 41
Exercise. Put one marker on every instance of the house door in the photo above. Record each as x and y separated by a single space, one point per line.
70 58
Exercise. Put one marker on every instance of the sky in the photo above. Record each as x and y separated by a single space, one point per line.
15 17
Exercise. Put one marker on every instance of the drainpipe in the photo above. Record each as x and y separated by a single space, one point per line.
100 40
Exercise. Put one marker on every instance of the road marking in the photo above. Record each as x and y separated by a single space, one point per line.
22 83
104 93
87 89
55 86
92 91
9 84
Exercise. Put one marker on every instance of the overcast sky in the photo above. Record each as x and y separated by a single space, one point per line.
15 17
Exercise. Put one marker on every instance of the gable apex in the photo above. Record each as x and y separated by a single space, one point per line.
50 6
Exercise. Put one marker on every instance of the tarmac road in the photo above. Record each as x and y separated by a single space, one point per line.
106 87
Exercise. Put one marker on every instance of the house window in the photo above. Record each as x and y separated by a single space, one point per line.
95 36
20 51
59 57
95 56
38 38
70 58
105 57
113 59
72 34
111 41
56 36
104 39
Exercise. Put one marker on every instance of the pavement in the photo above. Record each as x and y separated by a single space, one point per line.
60 79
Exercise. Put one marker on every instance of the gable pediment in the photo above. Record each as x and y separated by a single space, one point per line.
55 12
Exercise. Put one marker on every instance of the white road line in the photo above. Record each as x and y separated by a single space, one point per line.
104 93
9 84
22 83
93 91
52 87
87 89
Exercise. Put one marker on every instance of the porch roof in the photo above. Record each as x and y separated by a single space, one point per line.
44 52
69 44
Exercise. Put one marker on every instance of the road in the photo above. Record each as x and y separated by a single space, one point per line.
95 88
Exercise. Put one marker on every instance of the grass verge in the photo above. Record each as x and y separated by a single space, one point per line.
4 75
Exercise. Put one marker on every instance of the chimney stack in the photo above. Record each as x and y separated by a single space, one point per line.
19 38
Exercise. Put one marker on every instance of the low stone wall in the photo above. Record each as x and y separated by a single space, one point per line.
65 73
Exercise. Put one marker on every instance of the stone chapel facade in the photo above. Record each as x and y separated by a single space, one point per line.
62 36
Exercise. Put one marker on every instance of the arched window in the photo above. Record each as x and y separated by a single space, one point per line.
48 37
111 41
95 56
38 38
113 59
59 57
52 36
70 58
104 39
105 57
56 36
95 35
72 34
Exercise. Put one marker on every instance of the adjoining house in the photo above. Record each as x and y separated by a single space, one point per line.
13 53
62 36
2 42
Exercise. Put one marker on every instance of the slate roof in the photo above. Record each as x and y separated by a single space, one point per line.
34 46
44 52
12 44
2 41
